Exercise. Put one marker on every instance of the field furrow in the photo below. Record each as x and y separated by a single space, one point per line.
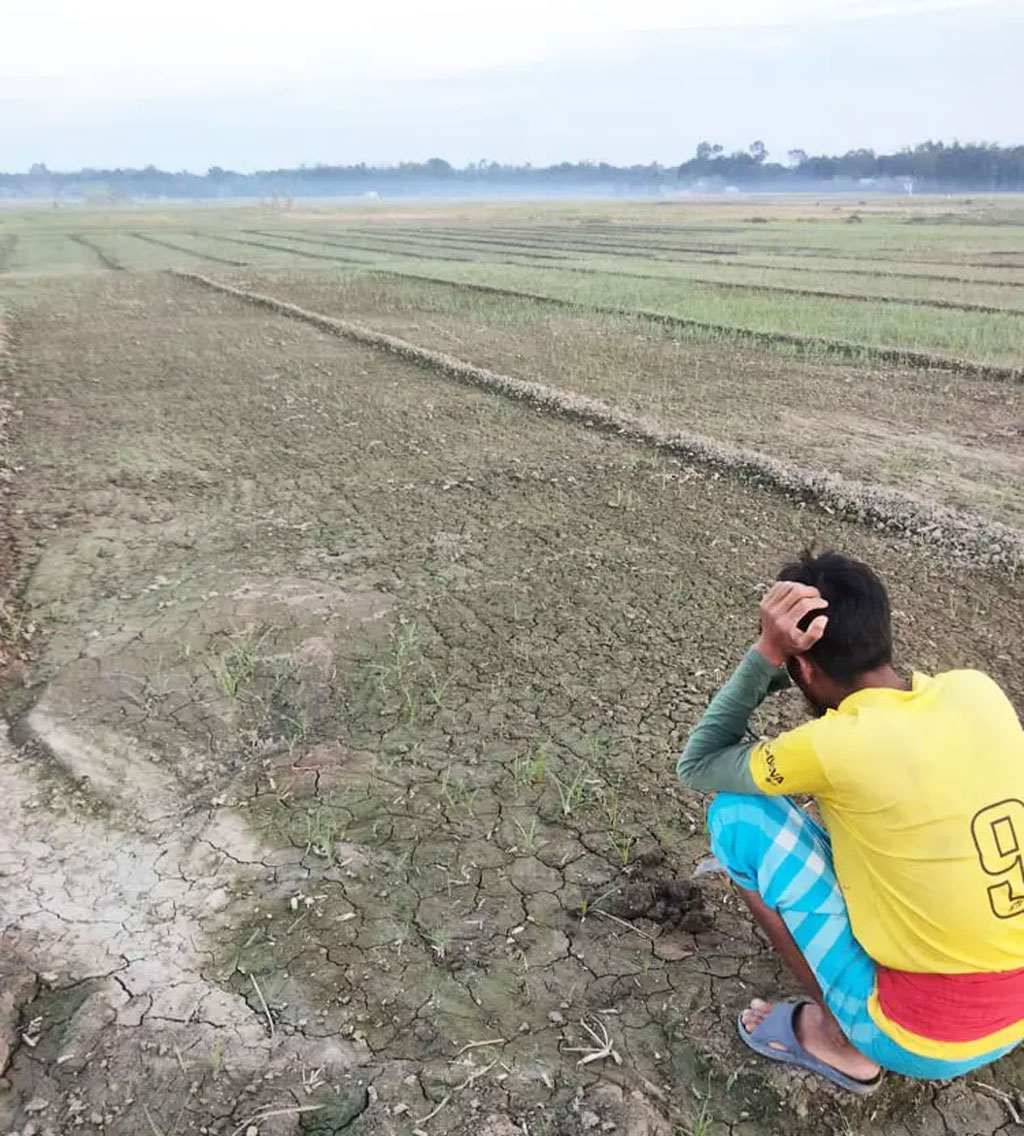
952 439
400 249
197 254
930 289
838 254
400 245
959 533
306 253
617 245
102 256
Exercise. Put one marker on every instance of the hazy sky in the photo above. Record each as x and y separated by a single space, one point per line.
249 84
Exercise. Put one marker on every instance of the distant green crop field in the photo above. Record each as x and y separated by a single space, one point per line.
937 276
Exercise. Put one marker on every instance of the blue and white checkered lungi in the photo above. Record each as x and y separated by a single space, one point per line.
769 845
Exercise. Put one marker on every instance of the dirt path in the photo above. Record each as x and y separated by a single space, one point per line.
342 778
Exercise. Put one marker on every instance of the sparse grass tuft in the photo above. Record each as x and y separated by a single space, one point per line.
530 768
623 846
527 834
705 1118
323 832
574 792
456 794
440 941
395 670
238 666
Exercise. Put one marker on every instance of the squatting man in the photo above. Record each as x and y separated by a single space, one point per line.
902 916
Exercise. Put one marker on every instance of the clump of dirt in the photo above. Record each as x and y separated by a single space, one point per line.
654 892
17 989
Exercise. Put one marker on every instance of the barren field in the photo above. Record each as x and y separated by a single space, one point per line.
344 677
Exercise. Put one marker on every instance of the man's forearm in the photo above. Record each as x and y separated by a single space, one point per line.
716 758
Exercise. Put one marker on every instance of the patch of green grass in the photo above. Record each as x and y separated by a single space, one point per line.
394 670
530 769
610 806
236 668
324 830
983 337
527 835
705 1119
456 794
587 904
436 689
623 847
571 793
440 941
404 674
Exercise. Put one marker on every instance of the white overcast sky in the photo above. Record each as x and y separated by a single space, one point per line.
249 84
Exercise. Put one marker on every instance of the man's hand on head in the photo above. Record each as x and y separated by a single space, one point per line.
784 605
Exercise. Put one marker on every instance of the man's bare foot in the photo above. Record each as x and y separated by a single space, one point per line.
818 1033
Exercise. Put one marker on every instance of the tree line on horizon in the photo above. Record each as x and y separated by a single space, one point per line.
926 167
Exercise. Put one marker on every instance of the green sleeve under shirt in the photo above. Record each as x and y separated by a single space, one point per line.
716 758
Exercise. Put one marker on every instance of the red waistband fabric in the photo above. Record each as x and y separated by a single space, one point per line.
952 1007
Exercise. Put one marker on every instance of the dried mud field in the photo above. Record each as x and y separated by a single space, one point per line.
342 695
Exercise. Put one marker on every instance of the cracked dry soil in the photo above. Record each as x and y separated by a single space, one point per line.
950 438
338 793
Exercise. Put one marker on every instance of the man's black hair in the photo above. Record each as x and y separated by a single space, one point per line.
858 637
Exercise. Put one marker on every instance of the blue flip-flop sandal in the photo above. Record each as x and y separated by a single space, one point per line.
776 1039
